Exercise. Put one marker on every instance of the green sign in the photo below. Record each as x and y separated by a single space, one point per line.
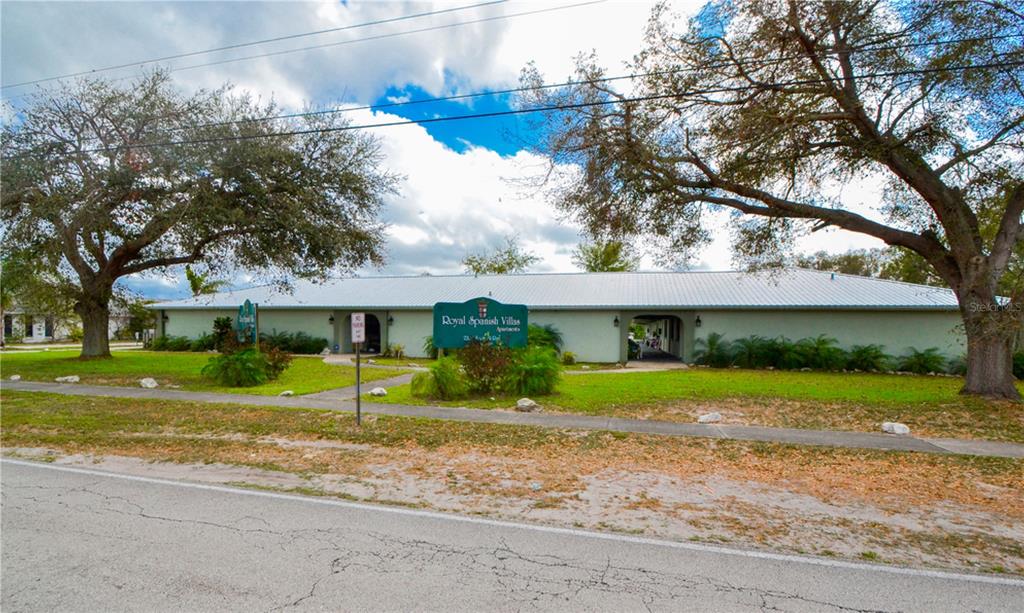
245 323
457 323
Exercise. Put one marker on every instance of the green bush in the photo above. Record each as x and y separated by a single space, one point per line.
428 347
223 333
485 364
76 334
713 351
544 336
205 342
293 342
422 385
277 362
240 369
923 362
394 350
534 371
751 352
449 381
568 358
172 343
1018 365
821 353
957 365
868 358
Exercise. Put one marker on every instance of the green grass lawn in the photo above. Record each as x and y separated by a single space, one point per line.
307 374
838 401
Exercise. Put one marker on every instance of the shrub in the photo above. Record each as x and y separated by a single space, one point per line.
277 362
240 369
172 343
713 351
223 332
428 347
923 362
868 358
544 336
394 350
485 364
534 371
76 334
293 342
568 358
1018 365
448 381
957 365
785 354
751 352
821 353
422 385
205 342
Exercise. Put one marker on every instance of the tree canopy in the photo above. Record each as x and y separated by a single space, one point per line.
767 108
504 260
605 256
102 181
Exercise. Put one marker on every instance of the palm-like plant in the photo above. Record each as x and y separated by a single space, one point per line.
923 362
713 351
749 352
868 358
201 284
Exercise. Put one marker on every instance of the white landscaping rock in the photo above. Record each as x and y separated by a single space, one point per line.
371 361
68 379
148 383
585 367
894 427
526 405
287 393
325 352
709 418
15 377
378 391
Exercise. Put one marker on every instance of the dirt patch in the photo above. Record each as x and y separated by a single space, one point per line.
916 516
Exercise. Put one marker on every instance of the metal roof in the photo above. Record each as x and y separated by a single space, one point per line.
791 289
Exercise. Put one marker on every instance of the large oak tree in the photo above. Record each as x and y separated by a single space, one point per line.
765 108
102 181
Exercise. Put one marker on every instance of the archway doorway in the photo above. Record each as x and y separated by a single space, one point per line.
372 344
656 337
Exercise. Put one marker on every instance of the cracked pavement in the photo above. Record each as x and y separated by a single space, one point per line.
74 541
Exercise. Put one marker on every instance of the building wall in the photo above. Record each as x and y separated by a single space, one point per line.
897 331
591 335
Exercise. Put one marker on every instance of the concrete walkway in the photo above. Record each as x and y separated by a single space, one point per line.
854 440
349 393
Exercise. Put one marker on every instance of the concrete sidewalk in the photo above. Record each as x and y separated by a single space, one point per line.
853 440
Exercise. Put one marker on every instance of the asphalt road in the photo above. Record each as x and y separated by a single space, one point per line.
80 540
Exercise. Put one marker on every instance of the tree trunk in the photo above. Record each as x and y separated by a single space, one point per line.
95 314
990 345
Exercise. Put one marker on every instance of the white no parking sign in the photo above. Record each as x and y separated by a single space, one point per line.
358 327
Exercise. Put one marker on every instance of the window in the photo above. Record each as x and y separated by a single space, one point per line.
49 327
8 325
28 326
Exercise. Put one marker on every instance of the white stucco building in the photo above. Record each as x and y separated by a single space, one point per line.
593 311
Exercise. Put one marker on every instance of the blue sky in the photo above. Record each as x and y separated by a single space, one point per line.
463 190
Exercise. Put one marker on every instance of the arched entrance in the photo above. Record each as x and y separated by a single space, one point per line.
372 344
656 337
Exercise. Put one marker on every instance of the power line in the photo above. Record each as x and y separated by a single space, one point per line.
364 39
512 112
733 62
253 43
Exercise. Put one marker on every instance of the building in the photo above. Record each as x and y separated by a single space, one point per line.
596 311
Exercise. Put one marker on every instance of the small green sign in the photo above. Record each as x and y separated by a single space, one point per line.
457 323
245 323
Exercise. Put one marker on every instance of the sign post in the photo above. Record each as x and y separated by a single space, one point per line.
358 338
483 319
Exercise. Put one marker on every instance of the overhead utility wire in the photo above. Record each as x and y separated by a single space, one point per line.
515 90
556 107
253 43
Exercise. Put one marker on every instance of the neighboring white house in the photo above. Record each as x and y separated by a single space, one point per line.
594 311
21 326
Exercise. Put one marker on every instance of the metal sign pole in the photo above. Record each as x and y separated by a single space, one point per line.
359 395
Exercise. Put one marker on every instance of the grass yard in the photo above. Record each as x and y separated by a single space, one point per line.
967 511
931 406
307 374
